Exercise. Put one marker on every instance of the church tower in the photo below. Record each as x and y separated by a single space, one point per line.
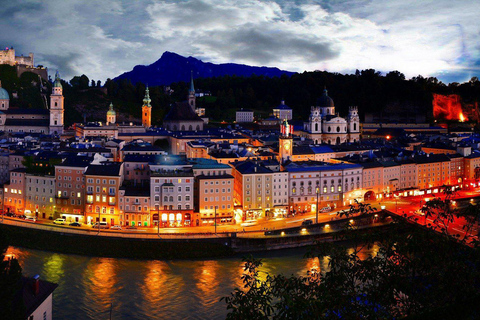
285 142
353 121
147 110
111 115
56 107
191 93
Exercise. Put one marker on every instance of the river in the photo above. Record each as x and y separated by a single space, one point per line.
150 289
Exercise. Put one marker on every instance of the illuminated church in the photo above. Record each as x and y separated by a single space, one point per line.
46 121
326 126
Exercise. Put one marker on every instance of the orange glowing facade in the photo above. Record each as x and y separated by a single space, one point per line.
103 183
432 170
147 110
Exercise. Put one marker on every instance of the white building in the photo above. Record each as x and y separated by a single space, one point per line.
326 126
40 195
244 115
283 112
333 183
171 191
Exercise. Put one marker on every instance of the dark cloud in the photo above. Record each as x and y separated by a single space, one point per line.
64 63
103 38
268 47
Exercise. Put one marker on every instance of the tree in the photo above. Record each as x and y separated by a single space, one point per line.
10 284
416 273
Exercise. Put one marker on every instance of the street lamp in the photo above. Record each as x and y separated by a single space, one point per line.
158 221
317 190
3 204
99 222
215 221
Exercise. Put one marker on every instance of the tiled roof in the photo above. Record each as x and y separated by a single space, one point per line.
107 169
28 122
181 111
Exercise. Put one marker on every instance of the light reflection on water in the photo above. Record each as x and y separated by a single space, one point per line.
140 289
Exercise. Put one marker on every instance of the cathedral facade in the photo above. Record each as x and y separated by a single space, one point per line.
46 121
326 126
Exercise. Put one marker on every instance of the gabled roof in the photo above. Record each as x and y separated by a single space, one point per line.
250 167
108 169
182 111
28 122
27 111
27 294
431 158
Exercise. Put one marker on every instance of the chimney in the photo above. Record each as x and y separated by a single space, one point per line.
36 285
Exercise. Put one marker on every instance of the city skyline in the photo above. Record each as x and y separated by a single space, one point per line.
108 38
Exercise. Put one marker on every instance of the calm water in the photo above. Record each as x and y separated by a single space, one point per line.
140 289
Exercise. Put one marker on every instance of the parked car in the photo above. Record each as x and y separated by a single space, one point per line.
326 209
248 223
116 227
307 222
31 219
60 221
131 227
103 225
75 224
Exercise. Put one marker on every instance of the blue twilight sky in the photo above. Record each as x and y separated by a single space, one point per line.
103 38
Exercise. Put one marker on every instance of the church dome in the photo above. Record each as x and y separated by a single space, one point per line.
110 111
57 83
325 101
4 94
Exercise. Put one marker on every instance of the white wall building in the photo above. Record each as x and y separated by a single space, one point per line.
244 115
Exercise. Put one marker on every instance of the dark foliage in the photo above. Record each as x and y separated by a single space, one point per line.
417 273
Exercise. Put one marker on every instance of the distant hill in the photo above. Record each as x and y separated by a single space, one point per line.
172 67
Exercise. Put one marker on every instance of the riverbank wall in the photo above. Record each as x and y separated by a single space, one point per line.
135 248
193 246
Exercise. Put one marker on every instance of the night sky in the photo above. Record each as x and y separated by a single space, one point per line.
104 38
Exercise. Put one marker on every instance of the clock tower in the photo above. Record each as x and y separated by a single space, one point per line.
285 142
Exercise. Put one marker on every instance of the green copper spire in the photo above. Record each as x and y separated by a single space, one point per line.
57 83
192 88
110 110
147 100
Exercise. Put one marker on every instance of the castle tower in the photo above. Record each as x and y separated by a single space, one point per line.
4 98
147 110
111 115
285 149
191 93
56 107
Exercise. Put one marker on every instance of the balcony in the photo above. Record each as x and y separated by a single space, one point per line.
61 197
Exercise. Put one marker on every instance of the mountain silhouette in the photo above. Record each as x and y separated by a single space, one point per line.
172 67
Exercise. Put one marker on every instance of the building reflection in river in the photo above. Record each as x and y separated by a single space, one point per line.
100 281
54 268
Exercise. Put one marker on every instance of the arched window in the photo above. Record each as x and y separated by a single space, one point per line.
329 129
338 140
338 129
165 198
198 128
190 128
183 128
355 127
171 198
316 126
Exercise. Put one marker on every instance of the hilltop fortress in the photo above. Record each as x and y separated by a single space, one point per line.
22 63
